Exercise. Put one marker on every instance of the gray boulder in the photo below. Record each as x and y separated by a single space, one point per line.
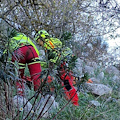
19 102
78 67
98 89
79 62
46 106
95 80
89 70
100 76
112 70
116 78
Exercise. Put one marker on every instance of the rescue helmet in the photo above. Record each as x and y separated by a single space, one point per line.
42 34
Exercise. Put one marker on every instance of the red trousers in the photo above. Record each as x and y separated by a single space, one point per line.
25 55
69 89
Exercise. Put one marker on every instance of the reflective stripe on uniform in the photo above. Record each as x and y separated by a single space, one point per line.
21 65
34 60
51 44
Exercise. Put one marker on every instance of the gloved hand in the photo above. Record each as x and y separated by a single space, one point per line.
20 101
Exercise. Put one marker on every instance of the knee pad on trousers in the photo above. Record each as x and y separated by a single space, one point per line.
67 85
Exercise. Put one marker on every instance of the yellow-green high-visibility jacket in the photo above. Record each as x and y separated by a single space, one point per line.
21 40
53 45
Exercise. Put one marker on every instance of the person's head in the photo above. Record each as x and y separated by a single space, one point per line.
41 36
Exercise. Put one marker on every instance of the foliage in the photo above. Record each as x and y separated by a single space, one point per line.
85 19
66 36
106 111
